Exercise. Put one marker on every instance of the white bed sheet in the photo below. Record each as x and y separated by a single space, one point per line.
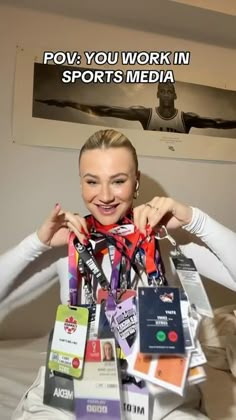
19 364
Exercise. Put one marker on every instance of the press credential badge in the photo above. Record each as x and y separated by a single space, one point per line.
69 339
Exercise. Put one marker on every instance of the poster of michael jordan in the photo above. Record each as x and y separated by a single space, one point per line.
181 119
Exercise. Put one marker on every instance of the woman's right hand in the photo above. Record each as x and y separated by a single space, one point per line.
56 229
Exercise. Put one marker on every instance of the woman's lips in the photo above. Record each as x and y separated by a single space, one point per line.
107 209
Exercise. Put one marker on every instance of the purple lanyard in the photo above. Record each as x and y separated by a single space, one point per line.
74 277
115 257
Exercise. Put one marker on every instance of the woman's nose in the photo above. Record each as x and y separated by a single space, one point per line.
106 194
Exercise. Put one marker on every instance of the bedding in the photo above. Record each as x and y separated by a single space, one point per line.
20 360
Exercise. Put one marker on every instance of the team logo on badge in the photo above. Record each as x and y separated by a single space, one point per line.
167 297
122 230
70 325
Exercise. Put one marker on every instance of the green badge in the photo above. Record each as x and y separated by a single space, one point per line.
69 339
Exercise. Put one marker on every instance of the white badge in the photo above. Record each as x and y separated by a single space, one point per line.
192 284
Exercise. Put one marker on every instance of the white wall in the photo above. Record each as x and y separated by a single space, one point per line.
228 7
32 180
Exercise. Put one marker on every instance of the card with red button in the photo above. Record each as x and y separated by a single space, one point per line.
69 339
160 321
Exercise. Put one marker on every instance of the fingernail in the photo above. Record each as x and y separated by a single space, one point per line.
56 205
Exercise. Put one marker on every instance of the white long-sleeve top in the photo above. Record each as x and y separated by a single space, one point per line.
214 258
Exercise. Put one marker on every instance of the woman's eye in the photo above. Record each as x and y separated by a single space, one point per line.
91 182
119 181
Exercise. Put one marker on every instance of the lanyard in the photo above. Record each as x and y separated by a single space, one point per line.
126 246
82 266
152 261
115 259
91 263
73 271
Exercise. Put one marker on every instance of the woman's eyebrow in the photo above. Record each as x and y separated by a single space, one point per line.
91 175
119 174
111 177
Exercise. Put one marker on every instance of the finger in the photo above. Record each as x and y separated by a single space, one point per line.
161 212
78 222
149 216
82 238
64 224
60 218
84 227
55 212
137 212
143 217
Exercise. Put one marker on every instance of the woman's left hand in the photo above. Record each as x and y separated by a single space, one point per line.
162 211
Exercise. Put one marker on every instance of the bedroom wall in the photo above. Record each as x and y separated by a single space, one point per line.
33 179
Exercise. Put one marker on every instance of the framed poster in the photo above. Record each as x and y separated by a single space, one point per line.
165 119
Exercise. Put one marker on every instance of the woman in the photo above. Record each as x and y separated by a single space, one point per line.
108 352
110 181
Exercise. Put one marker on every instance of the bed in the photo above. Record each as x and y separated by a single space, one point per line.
20 358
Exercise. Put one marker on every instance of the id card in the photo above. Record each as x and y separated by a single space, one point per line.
169 372
69 339
97 394
185 311
196 375
192 284
104 328
58 387
123 321
197 356
135 402
160 321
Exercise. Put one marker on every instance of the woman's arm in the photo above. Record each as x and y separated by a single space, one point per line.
30 289
218 261
53 232
14 261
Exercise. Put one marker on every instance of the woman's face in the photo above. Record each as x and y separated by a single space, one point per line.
108 351
108 180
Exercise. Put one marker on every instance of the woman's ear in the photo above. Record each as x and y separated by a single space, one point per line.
138 180
136 191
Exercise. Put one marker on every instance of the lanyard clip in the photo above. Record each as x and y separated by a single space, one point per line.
164 234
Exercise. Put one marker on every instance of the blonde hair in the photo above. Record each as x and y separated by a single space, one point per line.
105 139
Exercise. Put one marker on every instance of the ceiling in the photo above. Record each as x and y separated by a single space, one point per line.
212 23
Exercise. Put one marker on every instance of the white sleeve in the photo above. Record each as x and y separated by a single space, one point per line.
14 261
218 262
29 290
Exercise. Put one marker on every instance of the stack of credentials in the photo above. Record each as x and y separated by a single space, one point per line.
104 355
166 351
